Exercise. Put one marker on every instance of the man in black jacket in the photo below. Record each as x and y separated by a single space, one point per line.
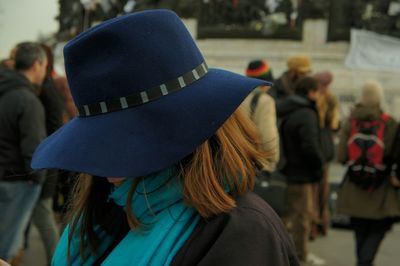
303 158
22 127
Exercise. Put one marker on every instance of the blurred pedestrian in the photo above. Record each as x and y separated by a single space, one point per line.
298 67
260 106
61 84
165 152
66 179
22 128
300 135
328 112
366 194
43 215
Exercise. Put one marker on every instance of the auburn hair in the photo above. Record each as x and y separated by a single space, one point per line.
218 171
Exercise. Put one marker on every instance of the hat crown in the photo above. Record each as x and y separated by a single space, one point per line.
128 55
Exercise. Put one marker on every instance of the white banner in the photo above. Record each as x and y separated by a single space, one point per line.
372 51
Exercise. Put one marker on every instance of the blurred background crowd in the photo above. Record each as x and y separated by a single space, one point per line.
333 64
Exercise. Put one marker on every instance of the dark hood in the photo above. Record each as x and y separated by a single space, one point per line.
293 103
11 80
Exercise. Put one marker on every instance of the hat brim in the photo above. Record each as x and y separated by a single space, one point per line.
147 138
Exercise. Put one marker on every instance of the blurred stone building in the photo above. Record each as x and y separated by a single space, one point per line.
232 32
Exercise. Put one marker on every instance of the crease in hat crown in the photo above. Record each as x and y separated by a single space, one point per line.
128 56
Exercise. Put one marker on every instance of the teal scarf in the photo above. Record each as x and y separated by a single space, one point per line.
169 223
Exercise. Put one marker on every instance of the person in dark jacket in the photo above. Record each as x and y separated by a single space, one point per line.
169 157
22 128
300 134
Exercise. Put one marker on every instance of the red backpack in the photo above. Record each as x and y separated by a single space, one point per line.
366 150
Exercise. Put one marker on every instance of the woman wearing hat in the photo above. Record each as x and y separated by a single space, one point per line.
168 160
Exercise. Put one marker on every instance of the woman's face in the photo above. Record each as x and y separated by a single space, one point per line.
116 181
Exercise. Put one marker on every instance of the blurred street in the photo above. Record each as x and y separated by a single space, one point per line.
338 248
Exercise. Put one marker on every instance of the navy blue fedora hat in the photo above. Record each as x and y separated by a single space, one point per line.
146 98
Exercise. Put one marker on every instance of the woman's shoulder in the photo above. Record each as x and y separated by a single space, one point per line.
252 212
250 234
252 208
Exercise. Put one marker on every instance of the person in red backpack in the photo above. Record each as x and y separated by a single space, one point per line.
366 194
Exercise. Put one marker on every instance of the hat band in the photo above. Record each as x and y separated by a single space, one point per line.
146 96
